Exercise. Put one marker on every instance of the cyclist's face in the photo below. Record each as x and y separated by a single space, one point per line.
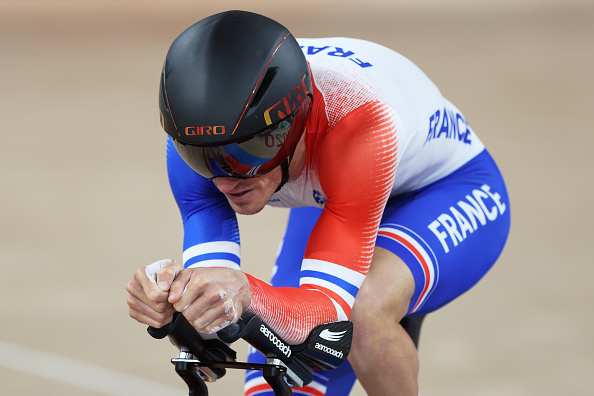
249 196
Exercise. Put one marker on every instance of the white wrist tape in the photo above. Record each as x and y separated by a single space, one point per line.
152 269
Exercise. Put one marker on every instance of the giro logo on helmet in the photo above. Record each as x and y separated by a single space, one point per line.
289 104
205 130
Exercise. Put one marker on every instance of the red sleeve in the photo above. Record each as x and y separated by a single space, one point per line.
356 164
356 170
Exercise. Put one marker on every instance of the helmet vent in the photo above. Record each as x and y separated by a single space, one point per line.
266 81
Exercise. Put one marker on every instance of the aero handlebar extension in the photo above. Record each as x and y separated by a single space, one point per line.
287 366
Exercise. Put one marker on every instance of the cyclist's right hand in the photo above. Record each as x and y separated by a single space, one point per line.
148 292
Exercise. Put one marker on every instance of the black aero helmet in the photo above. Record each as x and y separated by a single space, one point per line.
234 95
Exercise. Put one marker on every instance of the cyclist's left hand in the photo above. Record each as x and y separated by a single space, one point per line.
210 298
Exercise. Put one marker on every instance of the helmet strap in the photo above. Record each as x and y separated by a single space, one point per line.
285 168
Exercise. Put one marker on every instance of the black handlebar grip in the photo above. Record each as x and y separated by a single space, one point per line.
230 332
234 331
160 332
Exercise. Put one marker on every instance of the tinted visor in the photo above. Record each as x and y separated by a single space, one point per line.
249 158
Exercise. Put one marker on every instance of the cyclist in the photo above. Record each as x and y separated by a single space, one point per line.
398 208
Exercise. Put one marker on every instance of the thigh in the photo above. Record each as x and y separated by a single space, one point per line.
385 293
449 233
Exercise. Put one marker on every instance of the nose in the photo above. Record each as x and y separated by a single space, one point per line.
226 184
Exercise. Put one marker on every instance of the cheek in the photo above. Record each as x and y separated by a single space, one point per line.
273 178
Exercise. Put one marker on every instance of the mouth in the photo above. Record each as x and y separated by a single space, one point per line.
238 196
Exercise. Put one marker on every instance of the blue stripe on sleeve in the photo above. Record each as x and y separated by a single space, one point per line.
213 256
346 286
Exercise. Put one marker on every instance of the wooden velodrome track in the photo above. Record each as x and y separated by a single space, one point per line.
85 199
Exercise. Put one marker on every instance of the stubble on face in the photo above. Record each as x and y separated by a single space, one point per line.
249 196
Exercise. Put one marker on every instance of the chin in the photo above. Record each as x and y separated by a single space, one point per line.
247 209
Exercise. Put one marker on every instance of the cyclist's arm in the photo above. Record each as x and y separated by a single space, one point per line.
356 167
211 236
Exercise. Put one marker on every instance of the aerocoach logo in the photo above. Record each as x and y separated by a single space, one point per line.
332 336
329 350
274 339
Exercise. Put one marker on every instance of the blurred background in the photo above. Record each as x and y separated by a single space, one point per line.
85 199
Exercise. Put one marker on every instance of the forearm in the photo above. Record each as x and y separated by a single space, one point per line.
292 312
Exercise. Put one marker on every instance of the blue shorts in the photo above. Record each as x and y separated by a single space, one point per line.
449 234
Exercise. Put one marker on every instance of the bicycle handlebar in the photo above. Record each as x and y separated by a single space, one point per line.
327 347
